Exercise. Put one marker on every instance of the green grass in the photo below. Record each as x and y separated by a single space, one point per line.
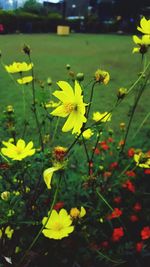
85 53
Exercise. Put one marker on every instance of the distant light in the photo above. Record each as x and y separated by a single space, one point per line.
73 6
131 20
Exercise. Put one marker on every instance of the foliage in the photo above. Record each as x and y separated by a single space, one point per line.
81 204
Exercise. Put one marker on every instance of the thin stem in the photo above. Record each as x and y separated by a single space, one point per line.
90 101
34 108
40 231
87 155
133 112
141 125
4 157
109 259
55 130
140 77
104 200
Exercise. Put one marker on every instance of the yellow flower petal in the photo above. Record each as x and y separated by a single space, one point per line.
48 174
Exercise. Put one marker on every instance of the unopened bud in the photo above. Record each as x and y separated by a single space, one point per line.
80 76
5 195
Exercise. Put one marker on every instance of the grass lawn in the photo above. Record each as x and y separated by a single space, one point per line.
85 53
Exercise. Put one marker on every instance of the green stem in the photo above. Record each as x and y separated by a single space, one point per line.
104 200
140 77
141 125
133 112
90 101
109 259
35 110
55 130
4 157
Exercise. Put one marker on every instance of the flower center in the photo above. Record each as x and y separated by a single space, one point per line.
57 226
69 107
18 150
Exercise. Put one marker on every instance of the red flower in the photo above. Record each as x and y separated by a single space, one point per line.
131 152
94 246
90 168
106 175
147 171
104 145
115 214
137 207
110 140
4 166
130 173
134 218
145 233
117 200
121 143
96 151
117 234
104 244
139 246
114 165
59 205
130 186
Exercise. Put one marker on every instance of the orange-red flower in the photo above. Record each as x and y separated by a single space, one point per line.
115 214
134 218
147 171
139 246
137 207
130 173
114 165
117 234
104 145
59 205
117 200
145 233
129 185
131 152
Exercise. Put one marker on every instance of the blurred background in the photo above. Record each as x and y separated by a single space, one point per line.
91 16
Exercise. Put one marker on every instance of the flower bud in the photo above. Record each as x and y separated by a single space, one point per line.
122 126
102 76
49 81
5 195
26 49
80 76
121 93
10 109
68 67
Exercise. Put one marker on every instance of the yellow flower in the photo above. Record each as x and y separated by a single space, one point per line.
18 151
9 232
76 213
87 134
102 76
18 67
142 160
145 26
25 80
103 117
48 173
72 106
143 43
59 225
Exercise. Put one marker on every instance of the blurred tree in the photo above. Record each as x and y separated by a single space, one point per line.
32 6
